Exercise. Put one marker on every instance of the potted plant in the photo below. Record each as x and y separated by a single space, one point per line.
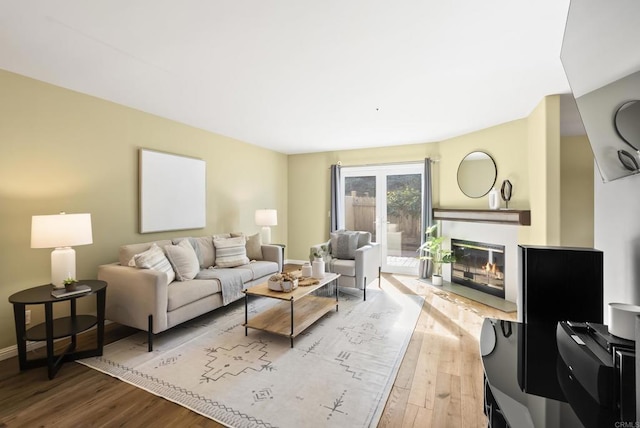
432 250
70 284
319 252
317 267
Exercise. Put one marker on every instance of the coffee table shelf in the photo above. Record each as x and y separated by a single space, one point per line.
299 309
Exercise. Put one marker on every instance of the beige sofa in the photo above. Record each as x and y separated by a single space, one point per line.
157 285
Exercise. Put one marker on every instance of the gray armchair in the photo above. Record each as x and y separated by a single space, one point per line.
353 256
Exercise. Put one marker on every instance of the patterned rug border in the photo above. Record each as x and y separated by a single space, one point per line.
192 401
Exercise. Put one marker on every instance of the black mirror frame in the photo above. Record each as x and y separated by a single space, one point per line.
495 175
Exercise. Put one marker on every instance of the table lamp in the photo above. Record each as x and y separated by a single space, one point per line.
266 219
61 232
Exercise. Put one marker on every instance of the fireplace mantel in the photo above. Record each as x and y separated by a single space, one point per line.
514 217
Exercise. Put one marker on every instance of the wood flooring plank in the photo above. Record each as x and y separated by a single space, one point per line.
394 410
410 361
415 416
424 381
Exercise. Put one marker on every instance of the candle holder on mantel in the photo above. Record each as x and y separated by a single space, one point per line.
506 191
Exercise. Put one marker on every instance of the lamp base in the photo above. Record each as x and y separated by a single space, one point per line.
266 235
63 265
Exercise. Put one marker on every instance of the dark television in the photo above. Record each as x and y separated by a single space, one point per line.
601 58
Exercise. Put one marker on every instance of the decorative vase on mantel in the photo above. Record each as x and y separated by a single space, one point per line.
317 268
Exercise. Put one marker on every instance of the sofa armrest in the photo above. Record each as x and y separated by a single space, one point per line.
367 263
133 294
273 253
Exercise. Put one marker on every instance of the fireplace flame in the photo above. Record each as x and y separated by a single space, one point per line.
492 268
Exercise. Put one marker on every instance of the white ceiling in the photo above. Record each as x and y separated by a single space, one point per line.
299 76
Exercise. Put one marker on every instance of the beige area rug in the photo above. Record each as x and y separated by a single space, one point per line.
339 373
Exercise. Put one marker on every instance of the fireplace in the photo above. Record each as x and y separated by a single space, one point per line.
479 265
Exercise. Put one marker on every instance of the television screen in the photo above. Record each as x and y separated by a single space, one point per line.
601 58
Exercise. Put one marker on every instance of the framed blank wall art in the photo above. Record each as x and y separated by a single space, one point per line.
172 192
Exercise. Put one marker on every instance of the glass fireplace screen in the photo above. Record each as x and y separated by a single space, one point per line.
479 265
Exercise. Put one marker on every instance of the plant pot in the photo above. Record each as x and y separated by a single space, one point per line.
71 287
436 279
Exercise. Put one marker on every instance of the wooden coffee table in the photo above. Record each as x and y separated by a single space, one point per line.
281 318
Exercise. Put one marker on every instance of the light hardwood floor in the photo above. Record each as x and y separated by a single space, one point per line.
439 383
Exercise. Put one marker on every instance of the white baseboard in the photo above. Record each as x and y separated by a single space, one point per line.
12 351
296 262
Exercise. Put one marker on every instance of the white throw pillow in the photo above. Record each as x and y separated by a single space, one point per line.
154 259
184 260
230 252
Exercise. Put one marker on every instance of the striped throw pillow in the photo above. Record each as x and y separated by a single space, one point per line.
230 252
155 259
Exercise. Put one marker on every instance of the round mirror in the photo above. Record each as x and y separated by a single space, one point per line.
477 174
627 123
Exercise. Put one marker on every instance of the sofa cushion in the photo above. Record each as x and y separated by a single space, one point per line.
259 269
207 254
230 252
184 260
254 247
203 246
154 258
185 292
344 245
225 273
126 252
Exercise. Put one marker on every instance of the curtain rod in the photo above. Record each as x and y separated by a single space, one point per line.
390 163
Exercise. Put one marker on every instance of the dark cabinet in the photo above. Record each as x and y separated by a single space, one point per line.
560 284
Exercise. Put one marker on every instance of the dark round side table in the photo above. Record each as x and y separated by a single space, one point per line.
57 328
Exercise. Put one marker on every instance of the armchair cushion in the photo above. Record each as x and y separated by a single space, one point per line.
343 267
364 238
344 245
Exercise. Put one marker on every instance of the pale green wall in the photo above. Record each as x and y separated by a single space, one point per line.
544 174
576 172
61 150
309 177
506 144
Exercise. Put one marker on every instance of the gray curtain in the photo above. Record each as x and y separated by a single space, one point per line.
337 199
426 267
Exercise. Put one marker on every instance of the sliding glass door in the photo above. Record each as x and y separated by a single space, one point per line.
386 200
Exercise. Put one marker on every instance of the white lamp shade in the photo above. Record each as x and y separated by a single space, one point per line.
266 217
60 230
